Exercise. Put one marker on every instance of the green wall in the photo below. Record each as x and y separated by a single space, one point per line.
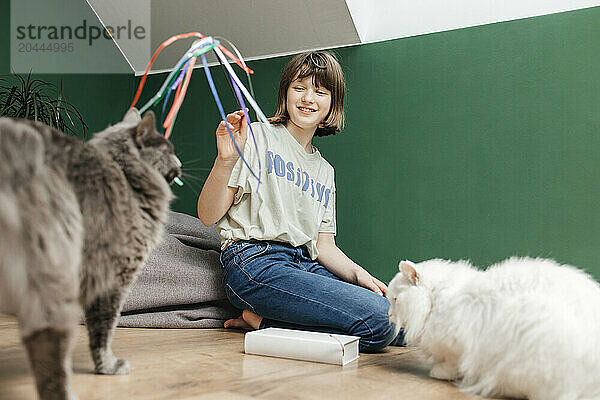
478 143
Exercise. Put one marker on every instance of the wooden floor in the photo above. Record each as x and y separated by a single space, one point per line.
210 364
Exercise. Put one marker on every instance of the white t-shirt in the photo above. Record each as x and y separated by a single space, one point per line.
296 197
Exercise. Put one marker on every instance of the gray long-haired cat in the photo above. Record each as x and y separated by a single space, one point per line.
77 221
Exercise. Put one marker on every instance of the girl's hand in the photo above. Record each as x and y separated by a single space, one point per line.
366 280
225 147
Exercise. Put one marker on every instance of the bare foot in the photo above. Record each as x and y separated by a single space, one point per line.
247 321
238 323
252 319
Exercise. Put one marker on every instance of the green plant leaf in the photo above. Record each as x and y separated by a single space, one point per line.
41 101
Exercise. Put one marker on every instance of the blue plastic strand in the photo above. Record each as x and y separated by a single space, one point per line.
222 112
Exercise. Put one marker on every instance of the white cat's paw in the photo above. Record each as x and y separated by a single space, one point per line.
444 371
119 366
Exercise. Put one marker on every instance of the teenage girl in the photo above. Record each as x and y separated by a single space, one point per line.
281 264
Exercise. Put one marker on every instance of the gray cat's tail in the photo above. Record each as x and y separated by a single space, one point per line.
21 159
21 152
40 233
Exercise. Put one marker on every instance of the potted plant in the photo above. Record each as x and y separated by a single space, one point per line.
41 101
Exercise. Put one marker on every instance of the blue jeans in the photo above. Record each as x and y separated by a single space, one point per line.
289 290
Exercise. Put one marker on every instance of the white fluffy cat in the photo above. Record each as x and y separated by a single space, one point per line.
525 328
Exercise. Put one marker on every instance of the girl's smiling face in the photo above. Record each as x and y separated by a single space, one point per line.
307 105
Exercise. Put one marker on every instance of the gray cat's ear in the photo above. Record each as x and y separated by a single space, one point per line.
132 116
145 128
408 270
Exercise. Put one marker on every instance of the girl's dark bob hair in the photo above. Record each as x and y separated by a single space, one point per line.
326 72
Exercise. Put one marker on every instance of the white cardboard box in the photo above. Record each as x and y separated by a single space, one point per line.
302 345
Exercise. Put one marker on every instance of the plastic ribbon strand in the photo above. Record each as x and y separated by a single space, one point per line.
259 114
171 88
199 47
229 80
168 42
179 78
222 112
174 84
240 100
179 96
178 100
239 55
160 48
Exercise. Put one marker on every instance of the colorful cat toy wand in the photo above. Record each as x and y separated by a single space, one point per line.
179 78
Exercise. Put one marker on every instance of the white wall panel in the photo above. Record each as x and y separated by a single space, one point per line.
389 19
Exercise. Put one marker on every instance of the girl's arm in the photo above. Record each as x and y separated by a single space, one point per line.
334 259
216 197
